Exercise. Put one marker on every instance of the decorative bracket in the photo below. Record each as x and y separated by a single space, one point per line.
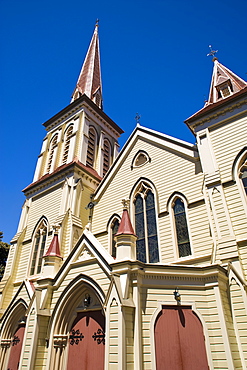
100 336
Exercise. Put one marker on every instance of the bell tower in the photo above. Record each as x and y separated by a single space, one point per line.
80 145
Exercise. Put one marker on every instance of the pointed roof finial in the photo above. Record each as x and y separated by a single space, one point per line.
212 53
89 81
137 118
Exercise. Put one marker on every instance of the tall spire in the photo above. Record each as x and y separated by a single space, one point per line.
89 81
224 83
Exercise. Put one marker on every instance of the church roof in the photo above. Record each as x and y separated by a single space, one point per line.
89 81
125 226
88 170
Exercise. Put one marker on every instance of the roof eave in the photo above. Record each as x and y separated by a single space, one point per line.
79 101
214 106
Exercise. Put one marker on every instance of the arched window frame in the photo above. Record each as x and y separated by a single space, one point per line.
239 164
39 244
110 228
91 148
106 156
172 201
142 188
140 153
67 141
51 153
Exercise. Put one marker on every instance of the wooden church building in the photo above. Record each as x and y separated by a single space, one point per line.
135 259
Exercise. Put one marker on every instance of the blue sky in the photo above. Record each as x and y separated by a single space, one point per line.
153 58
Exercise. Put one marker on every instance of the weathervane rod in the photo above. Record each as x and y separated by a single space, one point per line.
212 52
137 118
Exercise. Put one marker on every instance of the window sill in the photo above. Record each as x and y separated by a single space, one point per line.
191 259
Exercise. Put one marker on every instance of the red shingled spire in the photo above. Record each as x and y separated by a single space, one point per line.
89 81
54 249
224 83
125 226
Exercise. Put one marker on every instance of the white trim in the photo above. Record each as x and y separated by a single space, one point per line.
235 324
103 258
138 336
219 189
205 148
222 321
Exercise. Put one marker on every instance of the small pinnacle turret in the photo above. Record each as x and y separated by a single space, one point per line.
89 81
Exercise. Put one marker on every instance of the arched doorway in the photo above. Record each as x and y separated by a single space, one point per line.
77 327
16 347
87 342
179 340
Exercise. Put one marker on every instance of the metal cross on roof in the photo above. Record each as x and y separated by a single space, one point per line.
212 52
137 118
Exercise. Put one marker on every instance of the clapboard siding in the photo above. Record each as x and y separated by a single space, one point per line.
47 204
227 141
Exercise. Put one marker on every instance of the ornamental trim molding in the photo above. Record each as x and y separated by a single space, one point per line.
215 115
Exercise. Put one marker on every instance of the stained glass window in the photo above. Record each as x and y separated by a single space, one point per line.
145 226
243 176
182 233
39 248
114 230
91 147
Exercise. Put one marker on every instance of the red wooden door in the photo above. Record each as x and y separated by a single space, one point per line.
179 340
16 346
87 342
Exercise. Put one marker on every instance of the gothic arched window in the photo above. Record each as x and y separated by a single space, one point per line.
106 156
114 230
91 146
147 249
243 176
53 144
38 248
182 233
69 133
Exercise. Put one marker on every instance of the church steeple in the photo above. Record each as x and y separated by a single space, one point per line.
89 81
224 83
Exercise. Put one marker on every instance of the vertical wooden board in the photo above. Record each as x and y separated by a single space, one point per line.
16 347
87 342
179 340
